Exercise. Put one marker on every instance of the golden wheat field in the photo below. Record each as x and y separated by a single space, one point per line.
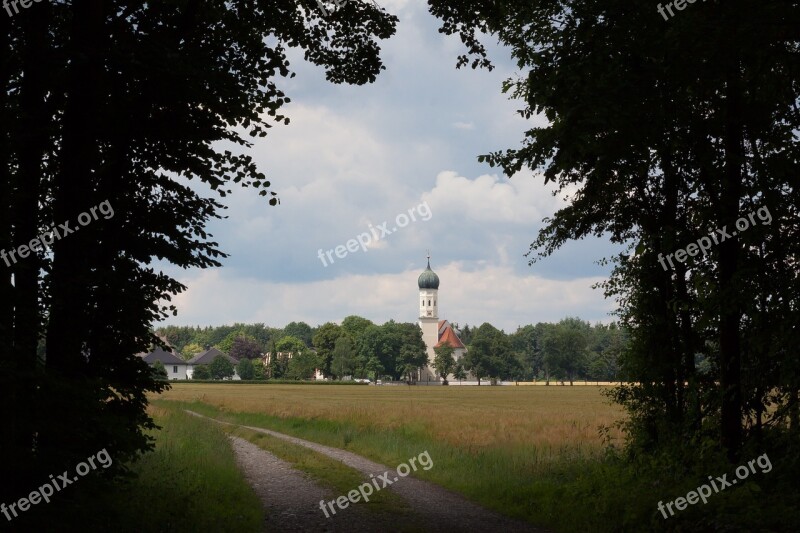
549 418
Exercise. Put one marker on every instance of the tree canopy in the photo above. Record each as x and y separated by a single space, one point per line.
664 134
119 104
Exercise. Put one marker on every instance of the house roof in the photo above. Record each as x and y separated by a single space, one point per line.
448 336
205 358
165 357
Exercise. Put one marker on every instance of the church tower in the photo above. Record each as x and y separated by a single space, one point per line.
429 314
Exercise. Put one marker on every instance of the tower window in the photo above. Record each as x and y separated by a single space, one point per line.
429 303
434 302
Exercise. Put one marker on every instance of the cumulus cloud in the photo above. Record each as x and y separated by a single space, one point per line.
490 198
359 156
492 294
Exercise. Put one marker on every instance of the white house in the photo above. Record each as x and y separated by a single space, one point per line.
175 366
206 358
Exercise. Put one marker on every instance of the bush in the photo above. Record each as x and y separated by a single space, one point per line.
201 372
159 371
221 368
245 369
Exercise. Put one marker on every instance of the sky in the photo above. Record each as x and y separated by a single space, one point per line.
354 163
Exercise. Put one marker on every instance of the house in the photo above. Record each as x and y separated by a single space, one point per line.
206 358
175 366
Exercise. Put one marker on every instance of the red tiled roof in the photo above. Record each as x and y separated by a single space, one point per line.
449 336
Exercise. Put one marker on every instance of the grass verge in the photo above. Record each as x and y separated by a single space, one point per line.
189 483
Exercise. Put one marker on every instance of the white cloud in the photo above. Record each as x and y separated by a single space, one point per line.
492 294
355 156
489 198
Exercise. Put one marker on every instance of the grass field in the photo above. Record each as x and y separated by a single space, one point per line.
533 453
549 419
512 449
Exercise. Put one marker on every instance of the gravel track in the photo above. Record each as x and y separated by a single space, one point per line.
440 510
291 498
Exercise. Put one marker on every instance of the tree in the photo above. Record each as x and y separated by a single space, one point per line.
373 368
299 330
277 362
244 347
490 354
259 372
459 373
281 354
201 372
245 369
324 341
477 359
190 350
344 357
221 368
355 326
396 349
466 335
159 371
413 352
302 365
259 332
565 348
443 361
177 336
688 156
291 345
527 345
371 350
140 98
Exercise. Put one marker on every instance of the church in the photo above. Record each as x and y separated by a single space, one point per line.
435 332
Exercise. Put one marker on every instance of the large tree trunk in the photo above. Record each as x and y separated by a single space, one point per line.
68 326
70 398
10 406
21 302
730 350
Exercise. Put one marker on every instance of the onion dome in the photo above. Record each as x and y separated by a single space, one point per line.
428 279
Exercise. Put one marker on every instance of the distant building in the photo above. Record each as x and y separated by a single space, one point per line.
175 366
435 332
206 358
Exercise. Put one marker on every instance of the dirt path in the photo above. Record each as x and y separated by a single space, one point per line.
291 499
439 509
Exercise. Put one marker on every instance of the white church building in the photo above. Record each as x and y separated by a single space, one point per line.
435 332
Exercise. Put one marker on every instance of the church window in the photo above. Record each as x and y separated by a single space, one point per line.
429 303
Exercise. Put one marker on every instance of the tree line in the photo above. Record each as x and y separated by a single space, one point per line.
569 350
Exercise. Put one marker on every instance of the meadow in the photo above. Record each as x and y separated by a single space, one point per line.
517 450
532 453
549 420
